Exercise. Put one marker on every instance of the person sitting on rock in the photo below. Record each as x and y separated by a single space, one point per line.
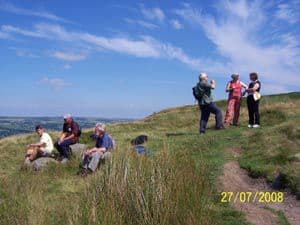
102 150
69 136
43 147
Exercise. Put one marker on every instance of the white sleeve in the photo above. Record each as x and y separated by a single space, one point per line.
43 139
244 85
256 86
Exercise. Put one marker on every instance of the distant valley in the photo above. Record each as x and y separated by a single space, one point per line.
20 125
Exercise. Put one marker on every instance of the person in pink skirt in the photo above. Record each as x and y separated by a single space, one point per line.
234 87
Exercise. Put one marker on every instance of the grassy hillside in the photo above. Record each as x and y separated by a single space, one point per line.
177 185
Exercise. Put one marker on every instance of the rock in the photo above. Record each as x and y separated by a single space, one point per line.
41 163
297 156
78 148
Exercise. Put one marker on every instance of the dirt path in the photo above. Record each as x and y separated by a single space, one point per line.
236 180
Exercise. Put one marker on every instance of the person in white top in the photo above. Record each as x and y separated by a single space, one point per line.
43 147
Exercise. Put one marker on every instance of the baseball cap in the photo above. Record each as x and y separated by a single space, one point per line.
67 116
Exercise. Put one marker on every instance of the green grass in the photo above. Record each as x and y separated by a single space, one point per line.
282 218
272 149
177 185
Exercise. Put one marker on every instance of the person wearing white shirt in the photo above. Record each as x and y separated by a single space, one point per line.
43 147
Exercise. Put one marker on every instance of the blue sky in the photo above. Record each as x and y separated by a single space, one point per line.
130 59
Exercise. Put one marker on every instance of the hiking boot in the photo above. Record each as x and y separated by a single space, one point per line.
250 125
89 171
220 128
256 126
82 172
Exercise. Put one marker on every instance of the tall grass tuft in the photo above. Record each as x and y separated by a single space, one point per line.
132 189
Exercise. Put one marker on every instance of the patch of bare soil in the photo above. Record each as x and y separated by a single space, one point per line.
236 180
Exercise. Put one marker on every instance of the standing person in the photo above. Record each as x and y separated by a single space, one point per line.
202 91
234 87
43 147
253 106
91 157
69 136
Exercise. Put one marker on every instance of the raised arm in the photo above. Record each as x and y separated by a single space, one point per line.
244 85
213 84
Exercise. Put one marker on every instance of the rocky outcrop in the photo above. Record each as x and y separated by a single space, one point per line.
78 148
41 163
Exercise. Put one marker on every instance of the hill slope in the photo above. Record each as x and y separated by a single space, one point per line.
177 185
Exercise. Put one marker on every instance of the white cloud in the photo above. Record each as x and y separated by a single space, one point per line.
176 24
287 12
145 46
139 48
8 7
239 41
237 8
53 82
67 67
141 23
24 52
153 14
69 56
11 29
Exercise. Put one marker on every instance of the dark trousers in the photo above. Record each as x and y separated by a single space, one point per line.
205 113
63 147
253 110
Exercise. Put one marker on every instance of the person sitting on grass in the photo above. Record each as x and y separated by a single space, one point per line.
91 157
43 147
69 136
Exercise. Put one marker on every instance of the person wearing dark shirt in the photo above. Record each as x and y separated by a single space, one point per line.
252 104
206 103
69 136
91 157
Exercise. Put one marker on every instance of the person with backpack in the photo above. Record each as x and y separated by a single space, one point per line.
102 151
234 87
253 101
202 92
69 136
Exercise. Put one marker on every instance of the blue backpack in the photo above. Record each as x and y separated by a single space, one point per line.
140 149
